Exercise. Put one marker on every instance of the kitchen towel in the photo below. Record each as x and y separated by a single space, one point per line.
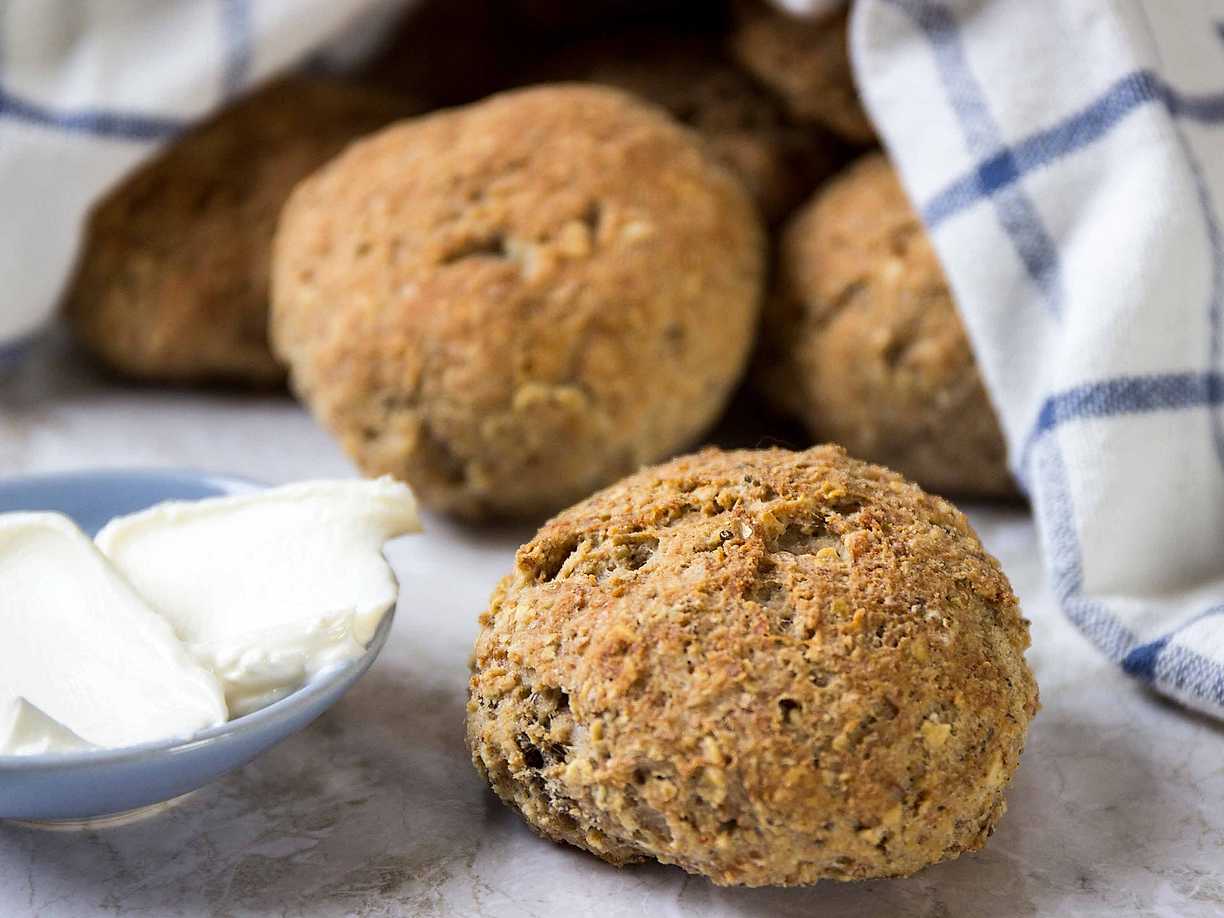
1067 157
90 88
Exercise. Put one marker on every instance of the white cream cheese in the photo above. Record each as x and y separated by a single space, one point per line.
267 589
78 643
25 730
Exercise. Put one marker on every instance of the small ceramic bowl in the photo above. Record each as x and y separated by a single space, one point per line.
77 787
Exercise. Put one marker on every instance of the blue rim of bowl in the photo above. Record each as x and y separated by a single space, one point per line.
226 484
299 698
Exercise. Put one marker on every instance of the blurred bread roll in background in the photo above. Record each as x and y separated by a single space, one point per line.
690 75
806 61
172 281
862 340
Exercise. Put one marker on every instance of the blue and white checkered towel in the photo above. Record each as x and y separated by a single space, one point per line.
1068 159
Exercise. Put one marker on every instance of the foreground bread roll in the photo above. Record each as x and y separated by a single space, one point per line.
173 280
763 666
511 304
862 340
807 63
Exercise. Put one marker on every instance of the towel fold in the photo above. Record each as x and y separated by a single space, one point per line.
1067 157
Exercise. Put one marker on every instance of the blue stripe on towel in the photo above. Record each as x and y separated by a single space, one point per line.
1052 495
1074 132
1189 673
1017 214
1141 661
1129 395
95 122
998 177
1178 665
236 45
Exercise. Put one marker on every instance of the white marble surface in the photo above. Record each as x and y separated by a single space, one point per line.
1118 807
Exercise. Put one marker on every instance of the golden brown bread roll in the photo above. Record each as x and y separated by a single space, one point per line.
763 666
511 304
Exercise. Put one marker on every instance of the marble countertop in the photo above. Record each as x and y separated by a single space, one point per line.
1118 807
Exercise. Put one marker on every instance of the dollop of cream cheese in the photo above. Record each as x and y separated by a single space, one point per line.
25 730
78 643
268 589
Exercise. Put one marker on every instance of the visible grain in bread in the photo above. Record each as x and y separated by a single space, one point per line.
767 667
